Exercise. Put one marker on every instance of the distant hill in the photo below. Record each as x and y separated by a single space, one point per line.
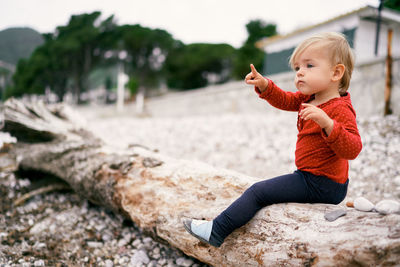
17 43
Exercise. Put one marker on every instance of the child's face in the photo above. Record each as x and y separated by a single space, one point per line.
313 70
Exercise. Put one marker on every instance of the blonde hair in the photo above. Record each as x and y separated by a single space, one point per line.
340 53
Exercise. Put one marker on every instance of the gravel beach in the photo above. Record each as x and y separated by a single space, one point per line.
62 229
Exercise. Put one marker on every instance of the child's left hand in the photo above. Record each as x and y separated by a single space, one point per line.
318 116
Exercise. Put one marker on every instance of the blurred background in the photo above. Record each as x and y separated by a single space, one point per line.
83 51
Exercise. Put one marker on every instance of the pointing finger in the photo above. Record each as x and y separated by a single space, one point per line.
253 69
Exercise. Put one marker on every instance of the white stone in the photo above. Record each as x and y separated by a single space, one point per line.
397 180
94 244
108 263
184 262
123 261
363 204
39 263
156 253
106 237
162 262
6 138
147 240
122 242
136 243
387 206
140 257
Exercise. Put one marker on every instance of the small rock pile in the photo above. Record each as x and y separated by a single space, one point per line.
384 207
62 229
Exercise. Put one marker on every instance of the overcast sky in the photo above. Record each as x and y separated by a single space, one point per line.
211 21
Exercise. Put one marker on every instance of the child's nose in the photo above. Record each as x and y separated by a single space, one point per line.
300 72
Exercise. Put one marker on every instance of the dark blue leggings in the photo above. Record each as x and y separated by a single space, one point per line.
300 187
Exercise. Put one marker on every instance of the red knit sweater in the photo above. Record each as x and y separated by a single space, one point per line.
316 152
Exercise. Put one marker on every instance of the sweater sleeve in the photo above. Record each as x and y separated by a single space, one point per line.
344 139
280 99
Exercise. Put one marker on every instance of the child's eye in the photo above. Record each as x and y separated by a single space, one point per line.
310 65
296 68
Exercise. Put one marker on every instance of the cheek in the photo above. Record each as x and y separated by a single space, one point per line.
320 77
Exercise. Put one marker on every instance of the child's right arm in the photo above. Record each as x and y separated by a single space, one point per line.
278 98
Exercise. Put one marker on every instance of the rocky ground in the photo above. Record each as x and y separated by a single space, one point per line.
62 229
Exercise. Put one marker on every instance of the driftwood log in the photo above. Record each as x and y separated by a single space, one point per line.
156 192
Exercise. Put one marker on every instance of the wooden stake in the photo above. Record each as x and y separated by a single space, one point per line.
388 87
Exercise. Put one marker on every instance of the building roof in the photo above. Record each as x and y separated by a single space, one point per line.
367 12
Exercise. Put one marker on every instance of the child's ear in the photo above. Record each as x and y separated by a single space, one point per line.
338 72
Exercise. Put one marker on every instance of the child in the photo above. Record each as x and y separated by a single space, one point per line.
328 136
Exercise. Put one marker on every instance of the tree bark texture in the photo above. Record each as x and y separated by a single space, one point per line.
157 192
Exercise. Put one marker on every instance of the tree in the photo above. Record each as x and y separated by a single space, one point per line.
146 51
84 43
197 65
393 4
45 68
249 53
66 57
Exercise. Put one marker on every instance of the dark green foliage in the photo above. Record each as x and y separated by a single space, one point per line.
84 44
133 85
190 66
249 53
258 29
146 50
66 58
87 50
393 4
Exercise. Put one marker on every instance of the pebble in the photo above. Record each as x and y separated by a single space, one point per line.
106 237
39 263
156 253
333 215
363 204
94 244
387 206
162 262
184 262
6 138
136 243
147 240
109 263
123 260
140 257
397 180
122 242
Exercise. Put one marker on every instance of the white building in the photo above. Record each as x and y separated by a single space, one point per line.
359 26
368 87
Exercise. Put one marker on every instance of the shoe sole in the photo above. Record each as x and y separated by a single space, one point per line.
188 225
